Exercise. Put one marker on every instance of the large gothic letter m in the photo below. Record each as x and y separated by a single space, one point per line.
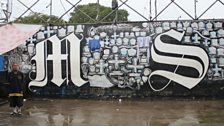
42 57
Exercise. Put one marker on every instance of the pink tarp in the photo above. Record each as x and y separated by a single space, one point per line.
13 35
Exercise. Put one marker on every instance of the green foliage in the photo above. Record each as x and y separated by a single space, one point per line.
91 9
38 18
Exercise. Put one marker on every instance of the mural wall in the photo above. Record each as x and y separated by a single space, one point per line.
156 55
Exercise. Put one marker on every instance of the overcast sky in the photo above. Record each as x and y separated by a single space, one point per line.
142 6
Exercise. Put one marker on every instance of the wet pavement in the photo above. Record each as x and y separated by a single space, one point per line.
3 101
59 112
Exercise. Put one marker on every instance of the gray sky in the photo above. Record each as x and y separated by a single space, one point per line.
142 6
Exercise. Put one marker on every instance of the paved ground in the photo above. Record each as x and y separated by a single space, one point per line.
112 113
3 101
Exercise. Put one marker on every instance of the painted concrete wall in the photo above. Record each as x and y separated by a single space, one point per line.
152 57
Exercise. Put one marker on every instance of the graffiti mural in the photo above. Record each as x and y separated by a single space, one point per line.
131 55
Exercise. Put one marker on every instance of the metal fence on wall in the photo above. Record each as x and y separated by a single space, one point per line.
152 10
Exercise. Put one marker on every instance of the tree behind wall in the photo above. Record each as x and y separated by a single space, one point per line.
91 9
39 18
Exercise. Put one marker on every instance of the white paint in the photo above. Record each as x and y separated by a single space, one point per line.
99 81
216 70
101 66
185 81
75 60
135 65
41 74
41 65
57 58
116 62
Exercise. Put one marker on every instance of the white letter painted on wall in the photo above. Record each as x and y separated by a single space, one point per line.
195 51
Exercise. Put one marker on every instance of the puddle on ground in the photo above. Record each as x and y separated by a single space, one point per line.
62 112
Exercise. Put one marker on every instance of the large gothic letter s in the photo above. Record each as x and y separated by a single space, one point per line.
184 50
